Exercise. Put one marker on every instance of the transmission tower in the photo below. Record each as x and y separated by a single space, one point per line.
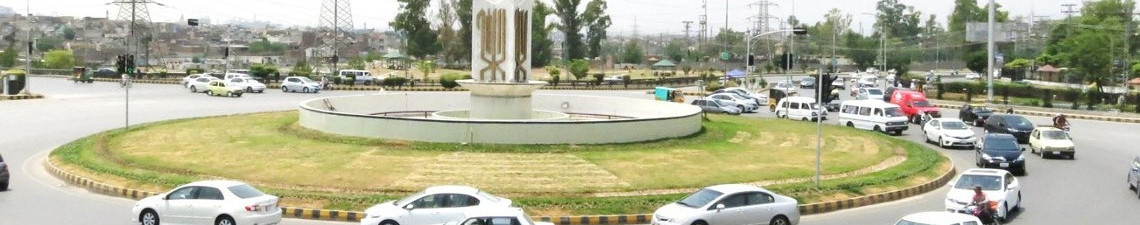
335 28
688 24
135 12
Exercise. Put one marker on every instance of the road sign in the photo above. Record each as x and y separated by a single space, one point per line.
725 56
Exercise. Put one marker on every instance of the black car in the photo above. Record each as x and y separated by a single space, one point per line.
974 114
3 174
1000 151
105 73
1011 124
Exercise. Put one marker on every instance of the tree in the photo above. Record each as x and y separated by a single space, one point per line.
59 59
1086 55
426 67
897 19
861 50
48 43
421 39
597 22
579 68
8 57
356 63
675 50
571 26
265 47
448 36
301 69
68 34
966 11
633 52
463 13
262 70
541 45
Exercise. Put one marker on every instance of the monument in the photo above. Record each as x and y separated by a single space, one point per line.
500 60
500 108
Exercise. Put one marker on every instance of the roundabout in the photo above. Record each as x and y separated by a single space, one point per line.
311 169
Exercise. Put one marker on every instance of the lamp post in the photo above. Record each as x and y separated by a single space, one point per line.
748 43
990 55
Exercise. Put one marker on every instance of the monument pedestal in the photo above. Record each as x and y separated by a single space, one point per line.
501 101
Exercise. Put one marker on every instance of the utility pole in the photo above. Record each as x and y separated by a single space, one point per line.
704 24
726 59
132 10
990 55
335 20
31 48
687 25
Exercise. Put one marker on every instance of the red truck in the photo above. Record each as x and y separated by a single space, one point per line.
914 104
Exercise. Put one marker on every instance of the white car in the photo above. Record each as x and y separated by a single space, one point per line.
616 79
939 218
788 88
869 93
744 104
729 204
201 84
186 80
433 205
949 132
973 76
300 84
248 84
496 216
998 185
1049 141
209 202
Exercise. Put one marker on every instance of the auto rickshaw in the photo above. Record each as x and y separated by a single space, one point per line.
668 94
774 97
81 75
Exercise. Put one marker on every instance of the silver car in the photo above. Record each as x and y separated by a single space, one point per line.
730 204
300 84
1134 175
744 104
715 106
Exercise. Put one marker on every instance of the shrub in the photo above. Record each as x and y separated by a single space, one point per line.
625 80
554 78
194 71
392 82
448 80
598 77
713 86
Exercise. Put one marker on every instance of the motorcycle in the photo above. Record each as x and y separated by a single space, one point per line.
984 211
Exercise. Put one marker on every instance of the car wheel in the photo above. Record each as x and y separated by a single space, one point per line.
877 129
1073 156
305 89
700 222
1004 216
940 143
4 186
224 220
209 93
248 89
925 136
193 89
148 217
284 89
851 125
389 222
1018 206
779 220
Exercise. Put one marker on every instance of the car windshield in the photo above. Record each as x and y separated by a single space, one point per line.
700 198
978 109
894 112
306 80
987 182
245 191
408 199
954 125
1001 144
1054 135
874 91
1017 121
921 103
488 196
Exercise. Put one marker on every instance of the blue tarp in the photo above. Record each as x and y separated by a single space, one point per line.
737 73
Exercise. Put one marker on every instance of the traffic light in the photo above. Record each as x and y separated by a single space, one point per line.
120 64
227 53
824 84
786 61
192 22
751 60
130 60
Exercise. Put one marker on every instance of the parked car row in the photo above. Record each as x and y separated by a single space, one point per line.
236 84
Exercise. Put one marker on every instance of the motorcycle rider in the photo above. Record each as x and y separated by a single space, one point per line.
1060 122
984 204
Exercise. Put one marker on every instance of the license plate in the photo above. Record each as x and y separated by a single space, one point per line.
1004 164
1056 153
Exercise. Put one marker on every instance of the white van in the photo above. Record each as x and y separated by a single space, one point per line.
873 115
362 77
799 108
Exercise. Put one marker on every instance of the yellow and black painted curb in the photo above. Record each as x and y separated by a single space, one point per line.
1050 114
354 216
140 81
20 97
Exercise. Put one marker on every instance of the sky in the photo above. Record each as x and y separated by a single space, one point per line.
649 17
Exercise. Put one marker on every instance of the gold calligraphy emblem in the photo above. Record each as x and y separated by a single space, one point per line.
493 24
521 39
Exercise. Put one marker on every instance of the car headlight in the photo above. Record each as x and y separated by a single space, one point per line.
1010 129
987 157
1020 158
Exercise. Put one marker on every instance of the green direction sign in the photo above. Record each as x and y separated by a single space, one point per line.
724 56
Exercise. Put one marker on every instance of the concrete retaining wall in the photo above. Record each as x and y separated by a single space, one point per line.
354 116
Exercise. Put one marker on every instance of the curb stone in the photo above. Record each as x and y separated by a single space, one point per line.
355 216
20 97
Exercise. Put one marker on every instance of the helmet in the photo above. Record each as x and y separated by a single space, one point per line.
1058 115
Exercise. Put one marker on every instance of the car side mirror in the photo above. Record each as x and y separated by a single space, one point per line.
409 206
1134 169
1023 149
719 207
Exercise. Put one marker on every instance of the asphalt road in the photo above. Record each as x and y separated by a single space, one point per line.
1089 190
